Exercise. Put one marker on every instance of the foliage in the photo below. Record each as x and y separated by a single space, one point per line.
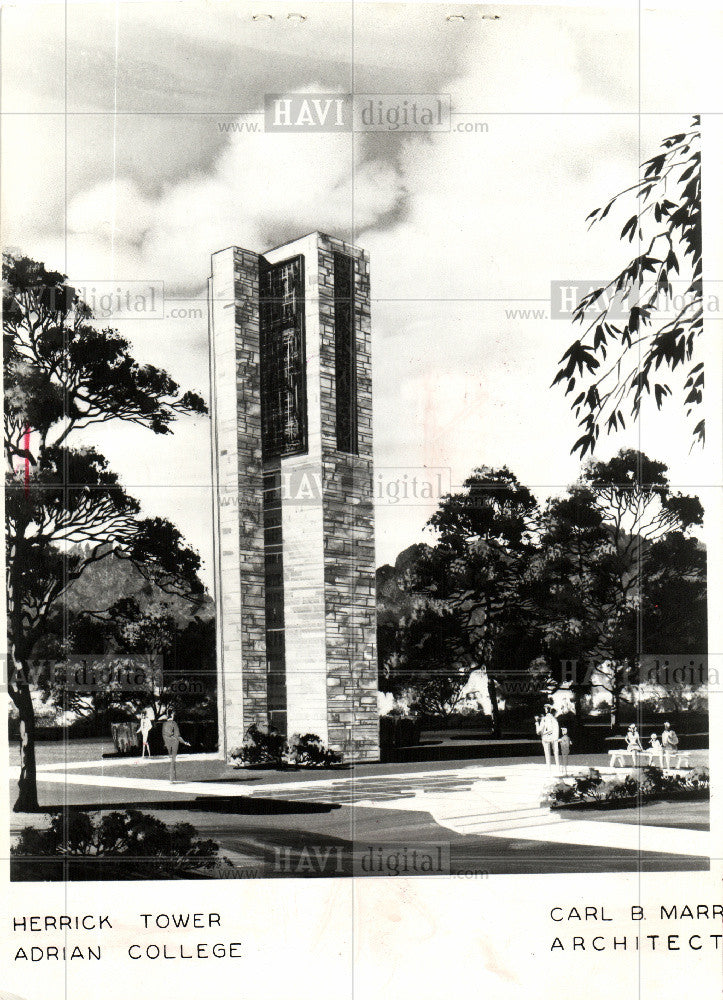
465 594
614 560
66 509
630 340
588 785
270 748
260 747
431 659
309 751
621 788
699 777
653 784
132 841
592 576
561 792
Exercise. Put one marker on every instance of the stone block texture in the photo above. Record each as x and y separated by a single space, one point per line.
327 517
238 471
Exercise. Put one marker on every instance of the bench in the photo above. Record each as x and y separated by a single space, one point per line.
617 757
683 759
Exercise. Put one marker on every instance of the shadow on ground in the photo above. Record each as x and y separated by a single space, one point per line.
236 805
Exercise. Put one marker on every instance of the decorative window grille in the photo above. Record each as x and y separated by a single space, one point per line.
274 594
283 359
345 351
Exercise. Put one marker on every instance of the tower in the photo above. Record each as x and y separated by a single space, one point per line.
291 409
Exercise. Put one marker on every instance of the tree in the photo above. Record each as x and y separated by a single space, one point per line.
432 656
634 497
575 595
671 620
638 326
182 647
475 578
66 510
673 599
598 543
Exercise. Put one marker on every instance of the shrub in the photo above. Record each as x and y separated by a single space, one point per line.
631 785
587 785
271 749
136 842
261 747
699 777
561 792
309 751
653 784
619 788
652 781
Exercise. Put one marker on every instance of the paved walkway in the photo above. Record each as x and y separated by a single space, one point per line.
485 800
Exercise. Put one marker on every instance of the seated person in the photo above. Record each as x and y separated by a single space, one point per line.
632 740
656 748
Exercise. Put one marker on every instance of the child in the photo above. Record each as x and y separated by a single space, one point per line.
564 743
656 749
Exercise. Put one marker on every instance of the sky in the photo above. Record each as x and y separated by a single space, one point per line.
128 156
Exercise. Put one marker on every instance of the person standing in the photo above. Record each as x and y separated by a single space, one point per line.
548 729
670 743
172 739
144 729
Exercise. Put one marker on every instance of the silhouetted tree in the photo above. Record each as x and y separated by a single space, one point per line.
65 508
639 326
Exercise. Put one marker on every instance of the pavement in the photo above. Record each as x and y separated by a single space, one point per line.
489 809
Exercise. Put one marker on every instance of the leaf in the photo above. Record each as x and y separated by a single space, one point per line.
655 165
583 444
629 228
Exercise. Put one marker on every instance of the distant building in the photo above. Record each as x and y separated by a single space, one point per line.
290 355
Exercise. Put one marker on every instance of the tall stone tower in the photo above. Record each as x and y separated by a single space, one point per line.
291 394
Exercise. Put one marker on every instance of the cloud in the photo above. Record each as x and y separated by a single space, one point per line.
449 220
263 188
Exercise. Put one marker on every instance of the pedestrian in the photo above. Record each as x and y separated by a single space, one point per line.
670 743
564 743
144 729
172 739
548 730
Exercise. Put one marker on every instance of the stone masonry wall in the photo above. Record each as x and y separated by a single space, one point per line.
235 361
349 558
250 487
